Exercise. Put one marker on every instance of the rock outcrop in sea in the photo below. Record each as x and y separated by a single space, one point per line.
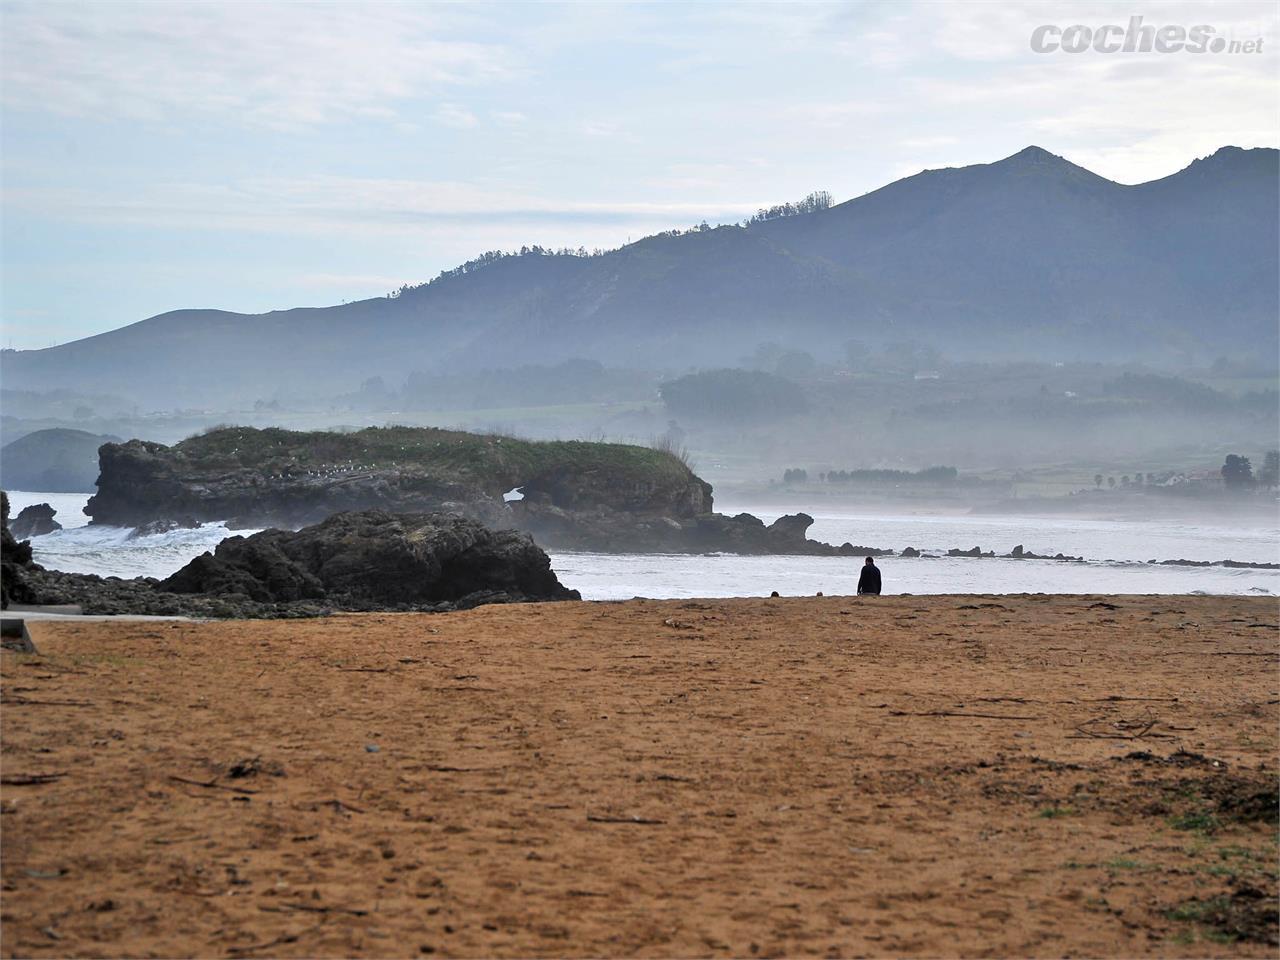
574 495
377 560
353 561
34 521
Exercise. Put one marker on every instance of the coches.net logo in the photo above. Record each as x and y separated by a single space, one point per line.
1137 38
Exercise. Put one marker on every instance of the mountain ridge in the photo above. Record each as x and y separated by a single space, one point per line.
1028 256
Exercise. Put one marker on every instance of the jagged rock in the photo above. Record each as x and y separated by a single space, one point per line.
34 521
614 531
155 527
972 552
362 561
374 559
909 552
790 530
1019 553
113 595
1235 564
15 562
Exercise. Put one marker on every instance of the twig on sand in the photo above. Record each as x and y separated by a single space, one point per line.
253 947
315 908
337 805
210 785
952 713
637 820
30 779
25 702
1238 653
1116 699
1121 729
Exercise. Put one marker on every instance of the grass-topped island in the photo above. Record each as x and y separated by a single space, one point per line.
575 494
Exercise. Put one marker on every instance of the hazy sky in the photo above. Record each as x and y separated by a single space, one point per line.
249 156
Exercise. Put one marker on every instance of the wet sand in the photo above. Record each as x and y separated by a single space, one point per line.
978 776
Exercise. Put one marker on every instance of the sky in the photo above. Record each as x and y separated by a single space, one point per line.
253 156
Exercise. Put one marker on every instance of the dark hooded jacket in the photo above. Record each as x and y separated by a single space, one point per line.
869 580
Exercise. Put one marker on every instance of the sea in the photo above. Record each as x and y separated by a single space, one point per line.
1116 551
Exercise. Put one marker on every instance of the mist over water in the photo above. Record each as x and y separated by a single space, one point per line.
1116 551
1129 539
612 577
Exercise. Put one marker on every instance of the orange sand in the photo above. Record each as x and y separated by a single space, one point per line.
835 776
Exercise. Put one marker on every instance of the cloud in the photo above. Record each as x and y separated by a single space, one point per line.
324 281
341 205
266 64
452 115
928 143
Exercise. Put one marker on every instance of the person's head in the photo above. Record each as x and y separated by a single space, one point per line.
871 562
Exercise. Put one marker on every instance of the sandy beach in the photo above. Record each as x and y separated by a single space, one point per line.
838 776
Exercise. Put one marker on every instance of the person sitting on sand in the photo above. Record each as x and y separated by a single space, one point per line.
869 580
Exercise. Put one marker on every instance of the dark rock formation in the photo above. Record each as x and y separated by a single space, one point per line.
1018 553
15 562
288 479
614 531
971 552
377 560
140 596
361 561
909 552
34 521
1235 564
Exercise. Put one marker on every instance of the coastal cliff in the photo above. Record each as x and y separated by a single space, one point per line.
288 478
568 494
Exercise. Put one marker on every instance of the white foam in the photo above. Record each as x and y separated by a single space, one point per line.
1116 548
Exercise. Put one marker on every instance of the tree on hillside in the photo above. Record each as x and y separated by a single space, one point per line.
1172 392
1269 476
1097 480
818 200
1237 472
856 353
732 395
796 365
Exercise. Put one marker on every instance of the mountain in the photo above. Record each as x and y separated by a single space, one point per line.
1031 257
52 461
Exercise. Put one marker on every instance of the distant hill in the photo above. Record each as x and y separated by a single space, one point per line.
1029 257
52 461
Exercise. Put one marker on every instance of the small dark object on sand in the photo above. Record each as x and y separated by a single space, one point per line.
14 636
